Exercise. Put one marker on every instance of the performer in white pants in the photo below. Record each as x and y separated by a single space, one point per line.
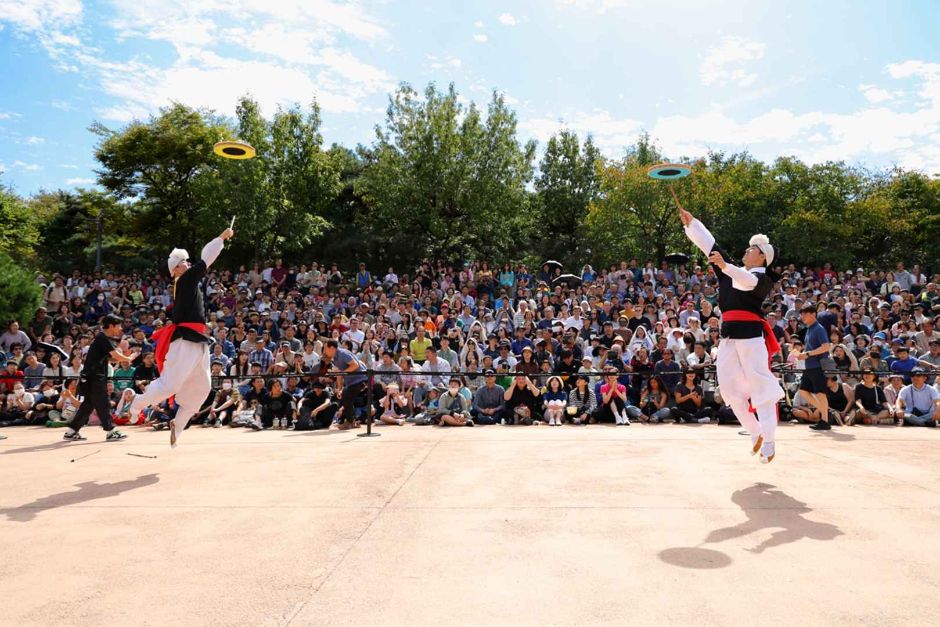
182 352
747 341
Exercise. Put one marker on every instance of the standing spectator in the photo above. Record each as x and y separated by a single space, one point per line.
813 381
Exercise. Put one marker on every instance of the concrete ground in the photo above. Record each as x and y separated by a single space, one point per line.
640 525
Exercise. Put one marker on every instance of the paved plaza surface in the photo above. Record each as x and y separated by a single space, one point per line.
601 525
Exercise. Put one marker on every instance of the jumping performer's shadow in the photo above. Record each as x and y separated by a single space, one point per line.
766 507
87 491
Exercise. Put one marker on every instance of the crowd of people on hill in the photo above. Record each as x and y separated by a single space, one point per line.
481 344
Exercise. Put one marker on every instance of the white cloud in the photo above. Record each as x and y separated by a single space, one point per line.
611 135
507 19
79 181
26 167
62 105
875 95
68 166
298 50
723 63
8 115
478 23
598 6
32 140
480 38
439 63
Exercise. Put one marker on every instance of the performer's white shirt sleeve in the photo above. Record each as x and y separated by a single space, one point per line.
210 252
741 278
700 236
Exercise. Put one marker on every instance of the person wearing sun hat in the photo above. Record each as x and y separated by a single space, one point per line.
748 343
182 351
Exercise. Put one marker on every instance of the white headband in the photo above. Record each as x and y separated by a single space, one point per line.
176 258
763 243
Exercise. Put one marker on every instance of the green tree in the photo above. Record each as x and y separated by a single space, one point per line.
156 163
445 182
280 196
20 295
18 226
565 188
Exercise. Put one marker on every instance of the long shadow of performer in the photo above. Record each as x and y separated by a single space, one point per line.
87 491
767 507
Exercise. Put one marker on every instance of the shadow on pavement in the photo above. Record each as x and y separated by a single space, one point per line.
766 507
87 491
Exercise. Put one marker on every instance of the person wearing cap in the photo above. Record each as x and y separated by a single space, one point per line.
488 401
748 342
505 355
918 403
182 353
903 363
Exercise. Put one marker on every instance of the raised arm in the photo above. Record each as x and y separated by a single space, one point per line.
210 252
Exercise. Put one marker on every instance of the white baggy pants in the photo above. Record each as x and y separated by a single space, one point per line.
743 374
185 375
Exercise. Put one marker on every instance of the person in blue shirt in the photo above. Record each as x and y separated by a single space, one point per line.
355 381
813 381
903 364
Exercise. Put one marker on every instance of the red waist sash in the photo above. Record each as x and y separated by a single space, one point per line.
164 335
739 315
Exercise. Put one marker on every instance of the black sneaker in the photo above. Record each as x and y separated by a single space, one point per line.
931 423
73 437
821 426
469 423
114 435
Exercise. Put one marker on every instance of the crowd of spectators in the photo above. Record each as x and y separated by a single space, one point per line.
481 344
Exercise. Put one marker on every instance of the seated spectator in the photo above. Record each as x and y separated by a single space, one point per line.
394 405
453 408
690 399
554 401
612 405
317 408
520 401
277 407
903 363
841 399
17 407
654 401
919 402
871 404
668 370
582 402
224 404
122 409
11 376
488 401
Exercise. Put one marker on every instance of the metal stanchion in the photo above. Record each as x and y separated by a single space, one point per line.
369 433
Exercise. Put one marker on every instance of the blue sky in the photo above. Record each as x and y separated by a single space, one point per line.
856 81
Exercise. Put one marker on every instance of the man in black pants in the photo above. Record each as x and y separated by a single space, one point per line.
93 382
355 381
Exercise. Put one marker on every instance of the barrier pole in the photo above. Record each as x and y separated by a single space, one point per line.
369 433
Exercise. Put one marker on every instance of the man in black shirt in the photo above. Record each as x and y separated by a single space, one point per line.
183 344
93 381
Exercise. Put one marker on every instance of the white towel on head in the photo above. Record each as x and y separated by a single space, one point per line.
763 242
176 257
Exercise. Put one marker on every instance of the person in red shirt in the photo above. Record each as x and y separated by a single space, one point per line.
11 375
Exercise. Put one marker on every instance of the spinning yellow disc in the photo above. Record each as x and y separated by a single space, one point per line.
234 150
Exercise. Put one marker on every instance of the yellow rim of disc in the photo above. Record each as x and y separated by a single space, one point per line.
234 150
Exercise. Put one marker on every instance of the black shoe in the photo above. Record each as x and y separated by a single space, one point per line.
821 426
469 423
931 423
114 434
73 437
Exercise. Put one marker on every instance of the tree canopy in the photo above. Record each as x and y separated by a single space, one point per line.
445 178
